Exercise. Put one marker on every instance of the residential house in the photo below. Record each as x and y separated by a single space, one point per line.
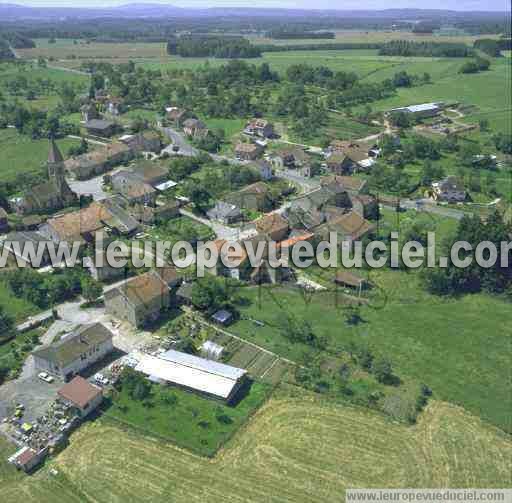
451 189
114 105
141 300
107 215
98 161
260 128
224 212
177 116
248 151
20 242
195 128
256 197
80 394
289 158
147 141
348 227
100 127
263 168
133 187
53 195
350 184
4 224
273 225
101 270
89 112
75 351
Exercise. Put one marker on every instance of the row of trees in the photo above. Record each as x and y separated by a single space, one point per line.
455 281
431 49
212 46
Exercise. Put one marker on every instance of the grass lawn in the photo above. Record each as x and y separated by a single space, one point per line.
23 157
187 419
17 307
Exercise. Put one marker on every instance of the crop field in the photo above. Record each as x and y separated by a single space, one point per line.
297 448
371 36
24 157
65 49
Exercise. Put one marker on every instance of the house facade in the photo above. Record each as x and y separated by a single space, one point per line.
75 351
142 299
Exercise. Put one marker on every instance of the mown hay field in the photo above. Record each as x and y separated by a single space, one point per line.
297 448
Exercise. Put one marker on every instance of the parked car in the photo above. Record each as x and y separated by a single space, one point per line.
44 376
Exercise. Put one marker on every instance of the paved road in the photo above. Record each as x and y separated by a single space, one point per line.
178 139
307 184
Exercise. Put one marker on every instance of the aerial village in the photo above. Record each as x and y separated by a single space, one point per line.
124 188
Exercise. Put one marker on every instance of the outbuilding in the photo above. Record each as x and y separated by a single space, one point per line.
82 395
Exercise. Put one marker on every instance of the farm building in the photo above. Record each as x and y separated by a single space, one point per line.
82 395
27 459
420 111
206 377
100 127
74 351
211 350
141 300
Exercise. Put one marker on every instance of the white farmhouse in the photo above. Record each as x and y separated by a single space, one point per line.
74 351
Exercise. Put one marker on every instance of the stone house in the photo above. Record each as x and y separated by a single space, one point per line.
147 141
100 127
195 128
256 197
98 161
225 212
264 169
142 299
248 151
260 128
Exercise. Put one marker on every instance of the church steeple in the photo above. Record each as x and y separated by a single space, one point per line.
54 155
56 169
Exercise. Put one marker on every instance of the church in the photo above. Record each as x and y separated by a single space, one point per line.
53 195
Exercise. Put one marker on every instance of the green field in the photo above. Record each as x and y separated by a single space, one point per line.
23 157
297 449
189 421
17 307
446 343
484 90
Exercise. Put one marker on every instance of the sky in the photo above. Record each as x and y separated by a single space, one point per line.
462 5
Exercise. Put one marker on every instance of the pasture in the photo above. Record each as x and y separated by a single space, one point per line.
297 448
445 343
24 158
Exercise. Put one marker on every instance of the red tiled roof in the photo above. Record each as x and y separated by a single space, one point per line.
79 392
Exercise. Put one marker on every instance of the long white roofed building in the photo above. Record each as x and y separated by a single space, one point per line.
207 377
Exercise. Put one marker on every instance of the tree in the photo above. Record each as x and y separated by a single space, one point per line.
483 124
6 323
91 289
382 370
